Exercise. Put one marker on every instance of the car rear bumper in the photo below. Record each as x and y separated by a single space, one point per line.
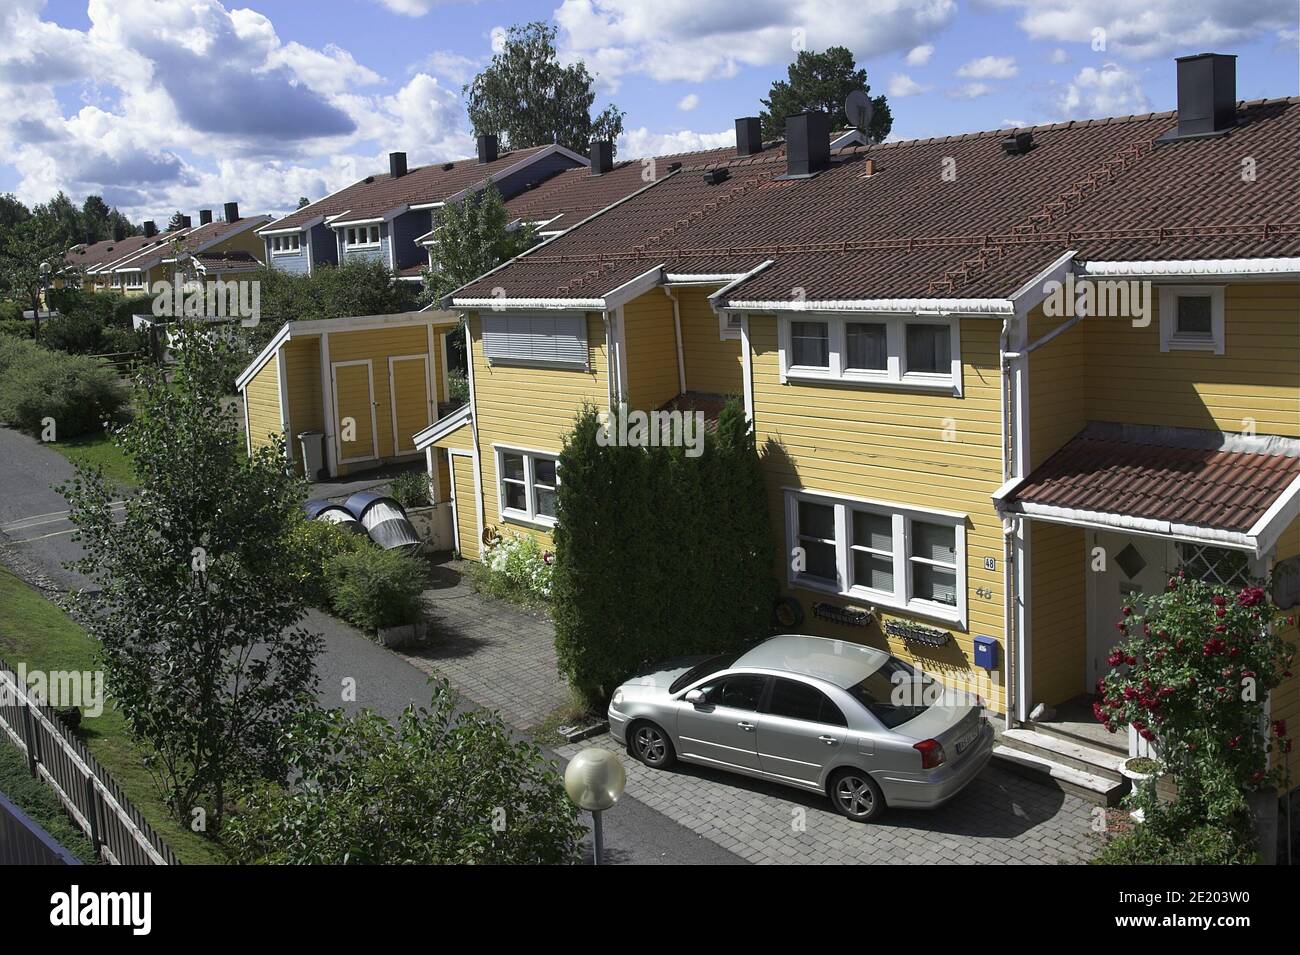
933 789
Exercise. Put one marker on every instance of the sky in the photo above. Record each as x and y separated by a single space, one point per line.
159 105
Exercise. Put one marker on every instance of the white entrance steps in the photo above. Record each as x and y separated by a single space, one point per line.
1071 766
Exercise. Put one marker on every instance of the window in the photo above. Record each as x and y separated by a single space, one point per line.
799 701
133 280
895 351
895 694
282 244
544 340
527 482
740 691
888 554
361 236
1191 318
1215 565
729 326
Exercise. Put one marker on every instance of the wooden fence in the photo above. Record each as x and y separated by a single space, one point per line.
24 842
94 801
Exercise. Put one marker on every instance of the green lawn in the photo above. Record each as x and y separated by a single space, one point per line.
98 450
40 803
36 632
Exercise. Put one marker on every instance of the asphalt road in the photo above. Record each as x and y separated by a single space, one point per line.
33 518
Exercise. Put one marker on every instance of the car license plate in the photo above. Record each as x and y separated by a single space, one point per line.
965 742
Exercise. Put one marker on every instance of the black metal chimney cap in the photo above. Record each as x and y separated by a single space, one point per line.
602 157
487 148
749 136
1207 96
807 144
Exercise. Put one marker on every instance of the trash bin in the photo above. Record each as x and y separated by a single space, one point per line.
313 454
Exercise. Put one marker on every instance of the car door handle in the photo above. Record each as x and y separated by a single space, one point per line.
828 740
747 727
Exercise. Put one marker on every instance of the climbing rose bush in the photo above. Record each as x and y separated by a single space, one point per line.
1191 673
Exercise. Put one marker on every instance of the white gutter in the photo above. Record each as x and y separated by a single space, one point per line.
721 293
1281 267
940 306
1105 520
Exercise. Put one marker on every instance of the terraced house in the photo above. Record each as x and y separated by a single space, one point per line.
949 442
389 217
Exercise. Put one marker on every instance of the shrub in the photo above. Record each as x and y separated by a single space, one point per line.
458 386
437 788
1168 836
77 392
11 311
74 334
412 489
115 340
658 554
16 327
314 544
372 588
519 565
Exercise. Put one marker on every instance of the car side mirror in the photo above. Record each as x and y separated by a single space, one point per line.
694 697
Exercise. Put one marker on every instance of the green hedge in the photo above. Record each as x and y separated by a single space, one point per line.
658 554
372 588
315 544
78 392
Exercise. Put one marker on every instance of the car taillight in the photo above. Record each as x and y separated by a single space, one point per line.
932 754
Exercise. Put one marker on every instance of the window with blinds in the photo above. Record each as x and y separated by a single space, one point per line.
553 340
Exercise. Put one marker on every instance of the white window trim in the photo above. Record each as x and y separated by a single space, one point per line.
133 280
365 230
895 375
1169 340
280 244
727 331
902 516
514 515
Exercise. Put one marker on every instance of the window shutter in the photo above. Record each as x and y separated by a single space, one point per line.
536 339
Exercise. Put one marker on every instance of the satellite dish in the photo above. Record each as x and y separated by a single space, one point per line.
858 109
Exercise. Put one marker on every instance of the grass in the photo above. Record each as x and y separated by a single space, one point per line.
36 632
573 712
40 803
98 450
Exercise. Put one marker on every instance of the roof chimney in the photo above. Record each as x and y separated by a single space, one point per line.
150 229
1207 96
397 165
807 144
119 232
187 222
232 211
749 136
487 148
205 216
602 157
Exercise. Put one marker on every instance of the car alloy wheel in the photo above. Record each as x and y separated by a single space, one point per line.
652 746
855 796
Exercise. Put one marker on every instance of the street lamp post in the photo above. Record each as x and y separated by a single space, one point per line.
594 780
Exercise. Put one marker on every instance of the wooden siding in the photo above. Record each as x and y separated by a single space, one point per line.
651 339
462 467
712 365
302 377
409 378
530 408
889 445
1059 612
1058 385
1258 376
262 397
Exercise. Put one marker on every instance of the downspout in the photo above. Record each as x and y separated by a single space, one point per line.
1011 690
677 330
611 364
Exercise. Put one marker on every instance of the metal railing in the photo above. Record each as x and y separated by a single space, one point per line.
94 801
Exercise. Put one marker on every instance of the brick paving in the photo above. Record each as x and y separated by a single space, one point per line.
504 658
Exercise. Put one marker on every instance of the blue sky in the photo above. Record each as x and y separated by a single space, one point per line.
162 105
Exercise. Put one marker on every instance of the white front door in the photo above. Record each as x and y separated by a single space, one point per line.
1120 568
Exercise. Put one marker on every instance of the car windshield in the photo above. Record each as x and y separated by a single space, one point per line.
895 694
701 670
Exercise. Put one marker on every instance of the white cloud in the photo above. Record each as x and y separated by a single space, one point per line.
900 85
1160 28
1014 124
989 68
635 143
1058 56
688 102
411 8
970 91
920 55
1112 90
695 41
452 66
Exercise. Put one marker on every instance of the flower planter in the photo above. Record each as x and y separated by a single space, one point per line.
402 636
1141 771
433 525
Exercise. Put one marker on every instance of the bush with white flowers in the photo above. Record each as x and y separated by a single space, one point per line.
521 563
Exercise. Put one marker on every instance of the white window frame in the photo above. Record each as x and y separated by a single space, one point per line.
373 237
529 455
729 325
281 244
133 280
902 517
1169 337
894 375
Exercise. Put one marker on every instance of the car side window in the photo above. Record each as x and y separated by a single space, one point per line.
799 701
740 691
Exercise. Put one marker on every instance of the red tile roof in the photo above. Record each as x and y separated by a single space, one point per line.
202 236
1201 486
1102 187
378 194
88 256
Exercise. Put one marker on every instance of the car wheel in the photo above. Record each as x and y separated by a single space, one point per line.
855 795
650 744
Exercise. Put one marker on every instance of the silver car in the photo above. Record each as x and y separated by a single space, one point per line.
850 721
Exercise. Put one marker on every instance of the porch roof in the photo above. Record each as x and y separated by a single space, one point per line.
1182 482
